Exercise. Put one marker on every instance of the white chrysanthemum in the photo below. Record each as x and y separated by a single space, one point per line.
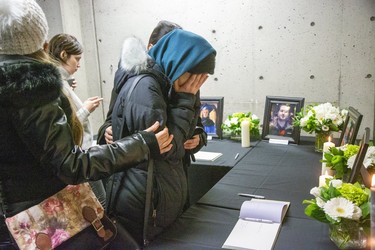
254 117
339 208
357 213
336 183
315 191
320 202
344 112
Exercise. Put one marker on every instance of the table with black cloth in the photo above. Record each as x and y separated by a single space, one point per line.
203 175
278 172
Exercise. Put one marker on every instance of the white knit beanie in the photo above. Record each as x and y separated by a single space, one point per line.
23 27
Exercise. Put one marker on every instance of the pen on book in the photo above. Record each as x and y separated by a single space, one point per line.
251 195
238 154
257 220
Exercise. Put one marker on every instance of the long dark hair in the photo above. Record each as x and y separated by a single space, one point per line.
77 129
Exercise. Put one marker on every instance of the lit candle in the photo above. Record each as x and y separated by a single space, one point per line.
372 213
245 134
326 146
323 177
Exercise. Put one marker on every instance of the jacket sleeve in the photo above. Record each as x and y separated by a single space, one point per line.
108 121
149 103
83 114
48 136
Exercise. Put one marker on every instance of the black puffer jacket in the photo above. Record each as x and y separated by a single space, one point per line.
37 154
153 99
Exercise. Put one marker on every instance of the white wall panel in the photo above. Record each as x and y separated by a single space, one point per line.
322 50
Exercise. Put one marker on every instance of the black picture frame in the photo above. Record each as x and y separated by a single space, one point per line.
358 161
271 128
351 127
213 107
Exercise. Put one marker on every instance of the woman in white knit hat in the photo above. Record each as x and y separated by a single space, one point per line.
39 133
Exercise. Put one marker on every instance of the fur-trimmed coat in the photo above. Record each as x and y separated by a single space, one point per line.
37 153
153 99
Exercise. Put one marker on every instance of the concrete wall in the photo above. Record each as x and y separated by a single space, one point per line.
321 50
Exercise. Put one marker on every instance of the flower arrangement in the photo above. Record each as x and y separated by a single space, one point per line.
368 162
337 159
345 207
322 118
337 201
232 125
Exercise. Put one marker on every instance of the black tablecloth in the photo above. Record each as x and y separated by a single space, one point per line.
203 175
279 172
229 149
207 227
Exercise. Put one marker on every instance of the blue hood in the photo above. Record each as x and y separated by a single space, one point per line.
179 51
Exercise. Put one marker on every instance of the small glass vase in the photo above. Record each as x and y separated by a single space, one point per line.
320 139
348 234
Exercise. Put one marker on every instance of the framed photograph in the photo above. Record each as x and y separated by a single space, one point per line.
358 161
366 174
278 118
211 114
351 126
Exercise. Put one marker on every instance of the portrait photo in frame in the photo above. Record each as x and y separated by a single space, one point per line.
357 171
211 113
278 117
351 126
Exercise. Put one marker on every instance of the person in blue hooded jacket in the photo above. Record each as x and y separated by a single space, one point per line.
173 71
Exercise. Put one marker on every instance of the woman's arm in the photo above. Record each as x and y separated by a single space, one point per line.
47 135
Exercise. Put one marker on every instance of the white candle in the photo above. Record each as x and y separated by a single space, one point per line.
372 213
326 146
323 177
245 134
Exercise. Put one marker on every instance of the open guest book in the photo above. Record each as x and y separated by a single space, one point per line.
258 226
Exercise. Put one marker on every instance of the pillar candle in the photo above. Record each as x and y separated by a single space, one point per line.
323 177
245 134
372 213
326 146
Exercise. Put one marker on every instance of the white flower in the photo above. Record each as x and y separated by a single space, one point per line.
344 112
234 120
227 123
357 213
254 117
304 121
336 183
370 157
320 202
315 191
339 208
351 160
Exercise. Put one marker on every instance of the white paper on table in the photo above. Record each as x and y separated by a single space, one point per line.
207 156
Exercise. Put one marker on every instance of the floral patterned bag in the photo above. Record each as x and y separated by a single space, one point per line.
61 217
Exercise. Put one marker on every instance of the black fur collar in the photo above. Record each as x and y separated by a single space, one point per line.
28 83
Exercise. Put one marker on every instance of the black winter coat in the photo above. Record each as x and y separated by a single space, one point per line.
153 99
37 154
